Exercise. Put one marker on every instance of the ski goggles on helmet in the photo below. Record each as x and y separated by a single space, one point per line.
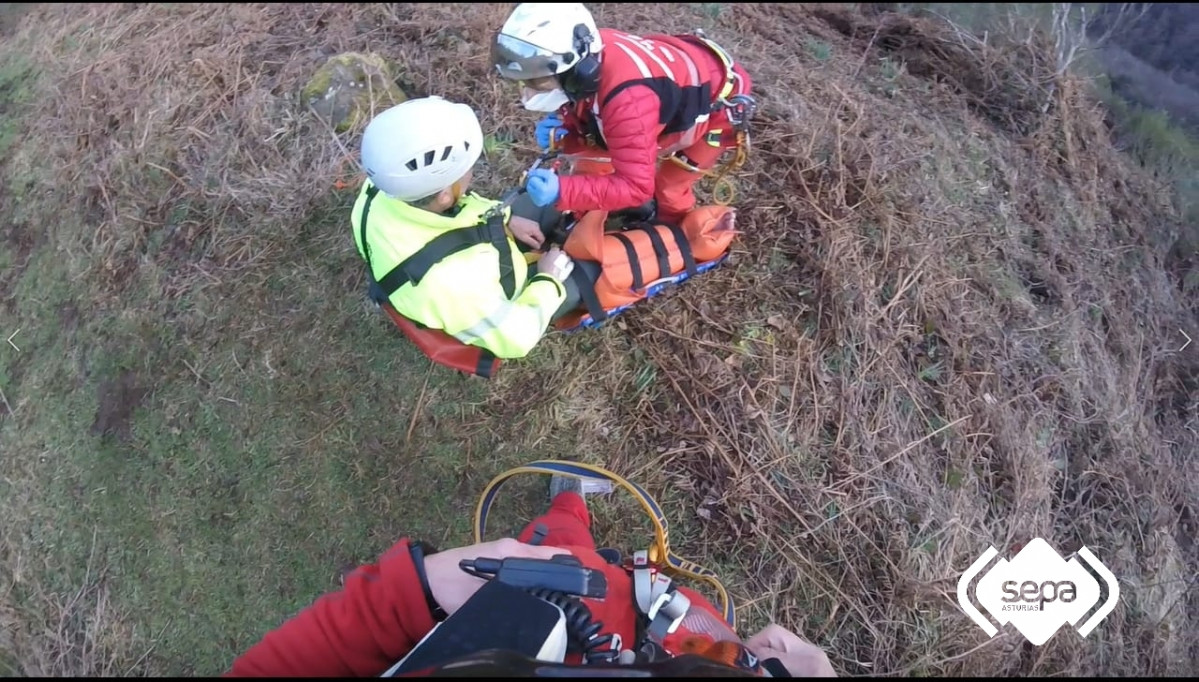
518 60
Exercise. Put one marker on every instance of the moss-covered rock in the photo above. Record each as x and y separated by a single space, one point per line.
349 86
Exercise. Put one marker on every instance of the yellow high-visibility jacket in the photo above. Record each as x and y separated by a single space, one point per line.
462 293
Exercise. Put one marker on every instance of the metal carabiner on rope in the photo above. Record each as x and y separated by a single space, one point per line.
741 109
506 201
547 156
511 195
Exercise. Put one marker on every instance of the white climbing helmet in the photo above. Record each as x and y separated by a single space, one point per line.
420 147
540 39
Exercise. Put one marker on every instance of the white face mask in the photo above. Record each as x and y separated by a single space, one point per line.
543 101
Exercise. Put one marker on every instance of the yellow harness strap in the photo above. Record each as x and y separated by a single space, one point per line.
721 184
659 553
730 76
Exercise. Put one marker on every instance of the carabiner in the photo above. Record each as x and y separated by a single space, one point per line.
741 108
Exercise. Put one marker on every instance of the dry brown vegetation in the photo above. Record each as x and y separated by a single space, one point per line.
949 323
76 634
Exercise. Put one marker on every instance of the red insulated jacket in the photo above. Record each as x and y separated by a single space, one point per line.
360 631
654 97
381 614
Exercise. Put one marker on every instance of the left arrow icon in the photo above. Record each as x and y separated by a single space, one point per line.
13 336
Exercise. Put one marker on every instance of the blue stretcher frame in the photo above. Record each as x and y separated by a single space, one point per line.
654 288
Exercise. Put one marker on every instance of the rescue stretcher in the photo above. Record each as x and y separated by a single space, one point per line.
625 252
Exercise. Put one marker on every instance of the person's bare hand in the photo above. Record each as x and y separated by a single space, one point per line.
451 586
556 264
526 231
800 657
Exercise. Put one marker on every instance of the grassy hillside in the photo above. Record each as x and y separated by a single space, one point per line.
953 321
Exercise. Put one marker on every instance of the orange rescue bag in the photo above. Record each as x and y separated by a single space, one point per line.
636 260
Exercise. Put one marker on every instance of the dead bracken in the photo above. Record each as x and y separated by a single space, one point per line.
947 325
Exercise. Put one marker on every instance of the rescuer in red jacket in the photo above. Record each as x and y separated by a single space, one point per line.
677 98
387 608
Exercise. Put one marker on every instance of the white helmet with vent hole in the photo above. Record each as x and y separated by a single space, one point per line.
420 147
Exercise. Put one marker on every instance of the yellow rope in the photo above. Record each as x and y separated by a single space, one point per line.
739 158
659 553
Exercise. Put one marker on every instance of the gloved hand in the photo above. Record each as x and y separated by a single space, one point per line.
542 186
550 125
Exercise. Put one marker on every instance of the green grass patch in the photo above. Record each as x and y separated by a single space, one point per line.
16 79
819 50
227 452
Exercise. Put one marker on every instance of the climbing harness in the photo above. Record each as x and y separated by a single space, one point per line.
740 109
720 182
740 156
652 569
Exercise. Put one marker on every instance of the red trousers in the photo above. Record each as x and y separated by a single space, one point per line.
567 523
674 184
568 526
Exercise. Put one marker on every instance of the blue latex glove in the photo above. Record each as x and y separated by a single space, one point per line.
550 125
542 186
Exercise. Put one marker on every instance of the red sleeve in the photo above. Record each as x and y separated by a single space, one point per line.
631 132
571 122
360 631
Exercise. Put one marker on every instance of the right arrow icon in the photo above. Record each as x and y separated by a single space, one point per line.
1184 335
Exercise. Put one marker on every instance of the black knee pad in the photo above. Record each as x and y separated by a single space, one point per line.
646 212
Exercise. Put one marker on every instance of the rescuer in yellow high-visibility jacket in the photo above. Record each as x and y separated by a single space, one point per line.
440 255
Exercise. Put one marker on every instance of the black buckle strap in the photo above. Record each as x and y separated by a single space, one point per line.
414 268
660 247
634 261
376 293
680 238
486 365
587 293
